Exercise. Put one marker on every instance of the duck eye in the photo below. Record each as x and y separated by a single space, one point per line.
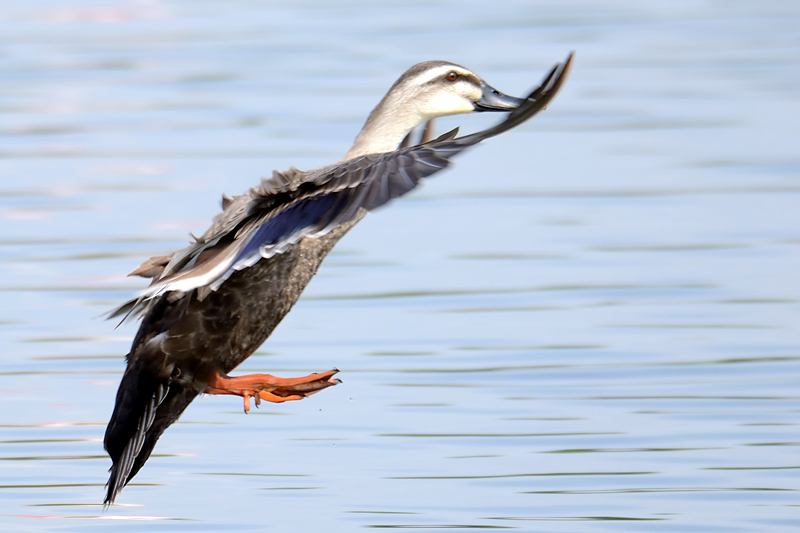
452 76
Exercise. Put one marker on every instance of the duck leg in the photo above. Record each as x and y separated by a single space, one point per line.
270 388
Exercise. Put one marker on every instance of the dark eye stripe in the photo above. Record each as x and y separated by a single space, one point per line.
460 76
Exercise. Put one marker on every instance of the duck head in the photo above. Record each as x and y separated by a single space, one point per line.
426 91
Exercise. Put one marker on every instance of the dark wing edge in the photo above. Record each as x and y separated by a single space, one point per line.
146 405
534 102
138 399
293 204
364 183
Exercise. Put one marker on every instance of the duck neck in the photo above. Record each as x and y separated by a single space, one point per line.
386 127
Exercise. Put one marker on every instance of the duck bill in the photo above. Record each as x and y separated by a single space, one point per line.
493 100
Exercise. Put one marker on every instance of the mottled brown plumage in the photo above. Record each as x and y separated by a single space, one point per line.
212 335
215 302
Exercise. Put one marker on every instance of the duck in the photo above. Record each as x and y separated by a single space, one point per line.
210 305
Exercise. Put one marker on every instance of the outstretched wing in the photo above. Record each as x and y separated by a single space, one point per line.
294 204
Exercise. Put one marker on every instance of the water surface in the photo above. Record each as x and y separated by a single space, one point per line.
590 324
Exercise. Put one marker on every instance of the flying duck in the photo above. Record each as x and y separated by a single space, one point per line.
212 304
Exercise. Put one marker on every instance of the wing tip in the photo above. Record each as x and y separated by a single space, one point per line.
124 466
113 488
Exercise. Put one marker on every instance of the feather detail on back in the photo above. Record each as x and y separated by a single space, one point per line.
152 268
295 204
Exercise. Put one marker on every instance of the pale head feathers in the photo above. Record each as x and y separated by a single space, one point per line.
425 91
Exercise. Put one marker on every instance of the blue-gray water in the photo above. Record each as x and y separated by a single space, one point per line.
590 324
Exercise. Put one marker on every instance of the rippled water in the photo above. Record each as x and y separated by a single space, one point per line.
591 324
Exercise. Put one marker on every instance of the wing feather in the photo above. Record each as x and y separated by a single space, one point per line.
294 204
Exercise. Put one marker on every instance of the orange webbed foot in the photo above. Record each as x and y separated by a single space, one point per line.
271 388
